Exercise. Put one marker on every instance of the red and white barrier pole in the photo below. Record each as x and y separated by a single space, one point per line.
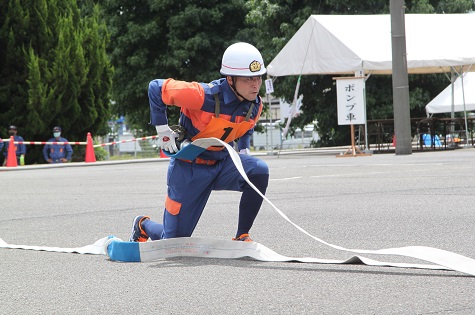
53 142
124 141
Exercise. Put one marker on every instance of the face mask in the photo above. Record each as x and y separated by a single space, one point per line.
11 133
56 134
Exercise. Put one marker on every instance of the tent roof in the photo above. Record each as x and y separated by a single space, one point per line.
343 44
442 103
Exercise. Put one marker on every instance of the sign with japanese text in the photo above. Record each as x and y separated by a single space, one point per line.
269 86
350 101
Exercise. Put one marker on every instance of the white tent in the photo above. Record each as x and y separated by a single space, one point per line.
343 44
463 94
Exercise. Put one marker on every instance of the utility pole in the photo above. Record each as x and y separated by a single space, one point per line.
402 115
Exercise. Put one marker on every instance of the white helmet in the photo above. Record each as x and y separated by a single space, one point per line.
243 60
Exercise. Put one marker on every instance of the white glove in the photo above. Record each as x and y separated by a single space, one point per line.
167 137
245 151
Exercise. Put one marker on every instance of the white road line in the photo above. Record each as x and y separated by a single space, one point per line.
287 178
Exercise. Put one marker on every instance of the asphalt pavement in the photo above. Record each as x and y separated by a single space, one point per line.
370 202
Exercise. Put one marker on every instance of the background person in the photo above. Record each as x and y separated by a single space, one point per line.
57 153
227 109
20 149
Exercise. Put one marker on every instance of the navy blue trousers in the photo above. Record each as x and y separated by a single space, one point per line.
190 185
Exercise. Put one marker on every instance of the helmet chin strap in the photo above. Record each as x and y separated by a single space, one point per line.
239 94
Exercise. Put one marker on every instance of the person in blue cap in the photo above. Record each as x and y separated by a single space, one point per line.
20 149
57 153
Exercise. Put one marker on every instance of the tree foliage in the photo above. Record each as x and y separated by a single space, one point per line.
164 38
54 70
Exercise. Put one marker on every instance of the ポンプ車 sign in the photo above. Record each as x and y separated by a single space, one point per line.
350 101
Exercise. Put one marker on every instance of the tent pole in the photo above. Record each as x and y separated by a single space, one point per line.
464 110
365 125
367 150
452 81
452 105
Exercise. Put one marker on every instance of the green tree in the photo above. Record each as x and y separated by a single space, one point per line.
164 38
54 70
275 22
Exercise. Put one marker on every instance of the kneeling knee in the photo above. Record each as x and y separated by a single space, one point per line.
261 168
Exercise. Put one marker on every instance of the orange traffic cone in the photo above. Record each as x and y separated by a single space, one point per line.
163 155
90 156
11 158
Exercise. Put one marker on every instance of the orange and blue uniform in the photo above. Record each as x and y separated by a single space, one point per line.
207 110
56 152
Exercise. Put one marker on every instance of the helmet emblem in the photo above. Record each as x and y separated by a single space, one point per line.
255 66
